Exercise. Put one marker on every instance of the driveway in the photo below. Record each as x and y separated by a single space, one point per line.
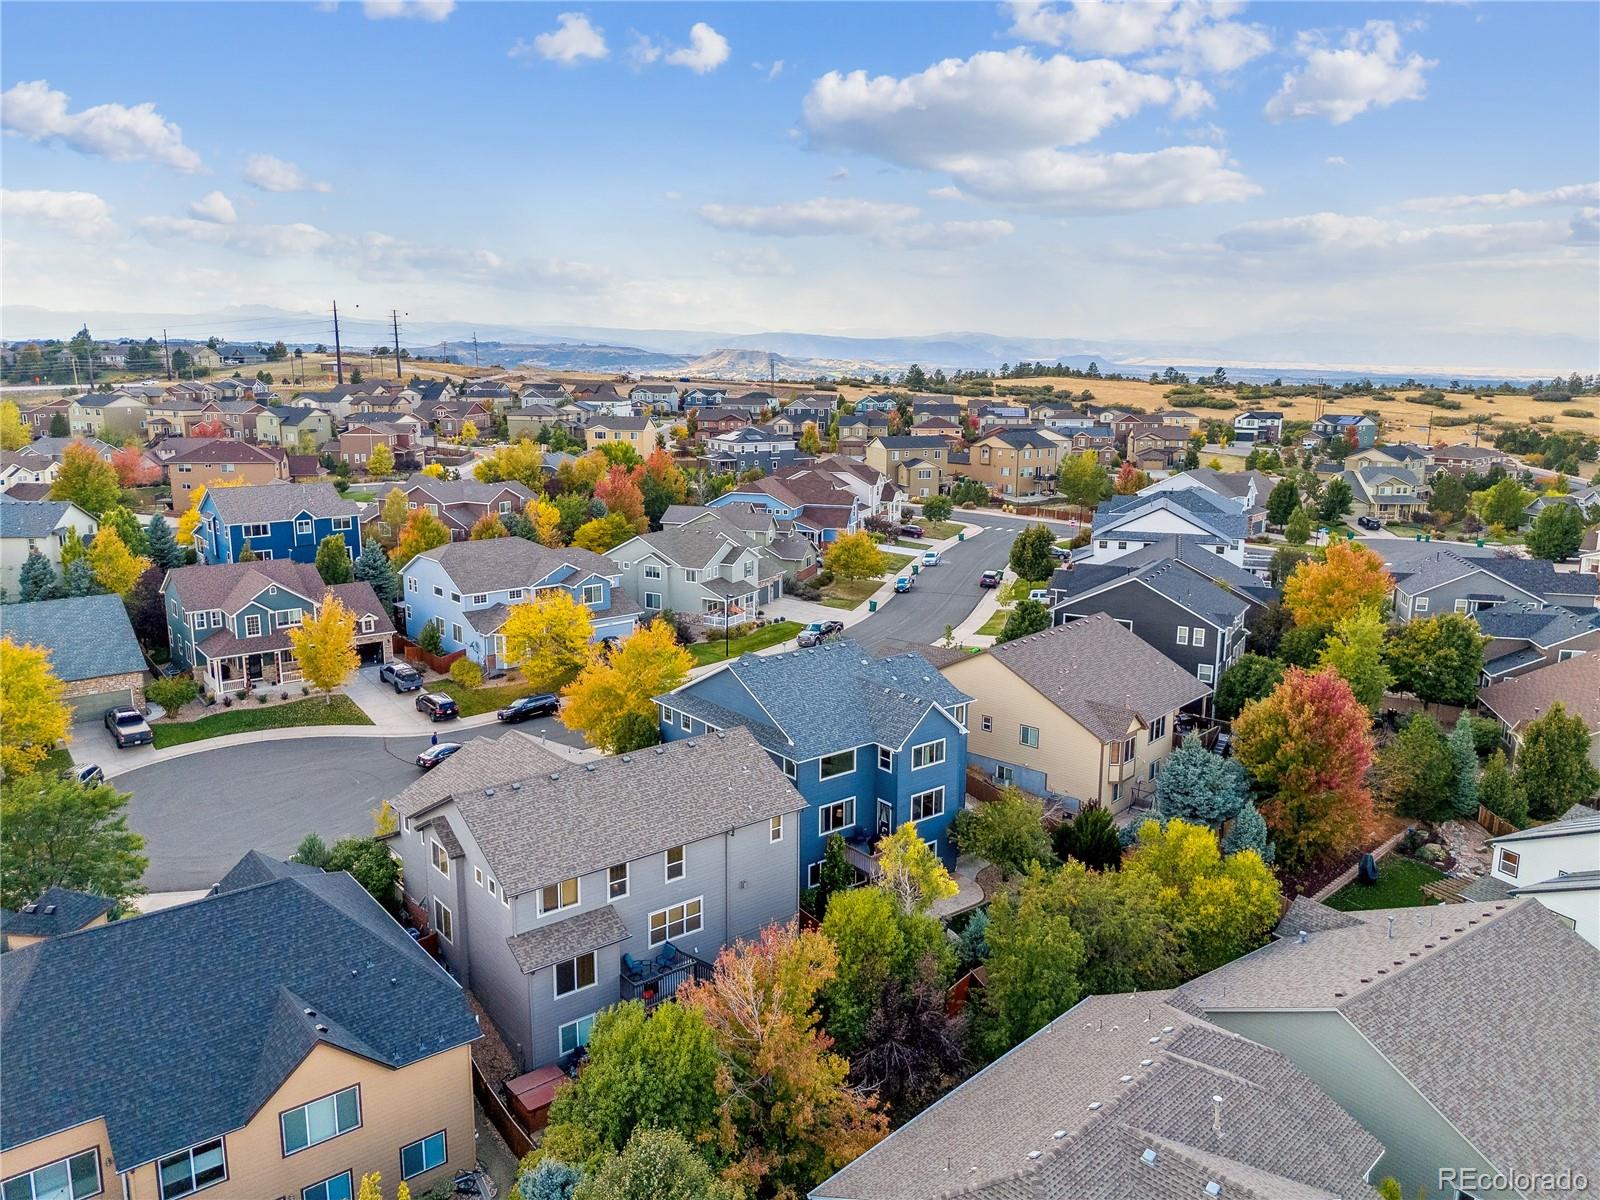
386 707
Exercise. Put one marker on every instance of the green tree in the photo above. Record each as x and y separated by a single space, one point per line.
59 426
1035 961
1298 529
1090 837
1251 678
911 872
876 940
122 519
1553 768
1503 503
1337 500
1132 937
1006 832
164 549
1030 553
1198 786
937 508
37 579
371 865
1027 616
1416 770
836 876
312 851
1438 659
1556 533
1500 791
1355 650
1450 498
1082 480
61 833
78 579
1282 501
333 560
656 1164
87 480
1464 765
373 568
547 1180
969 491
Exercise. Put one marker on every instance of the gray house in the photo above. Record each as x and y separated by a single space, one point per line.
1528 635
1447 582
559 888
706 567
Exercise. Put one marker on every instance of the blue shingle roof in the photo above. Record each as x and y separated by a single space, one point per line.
58 910
87 636
30 518
1543 626
1228 522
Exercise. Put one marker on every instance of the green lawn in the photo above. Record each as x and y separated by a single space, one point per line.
939 530
767 635
361 495
895 563
474 702
57 761
993 626
1450 533
1400 884
248 717
849 593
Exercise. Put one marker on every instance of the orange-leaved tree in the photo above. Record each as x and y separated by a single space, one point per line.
1351 578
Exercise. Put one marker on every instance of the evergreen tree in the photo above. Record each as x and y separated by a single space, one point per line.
1200 787
1464 754
1553 768
373 567
1336 500
79 580
1249 832
1282 501
1500 793
333 560
1091 838
164 549
38 578
1556 533
1298 529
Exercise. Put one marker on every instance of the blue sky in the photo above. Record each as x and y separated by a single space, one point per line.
1339 183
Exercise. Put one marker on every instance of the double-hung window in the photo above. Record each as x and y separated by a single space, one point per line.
1199 635
556 896
441 860
575 1034
1158 728
775 829
422 1156
675 864
1028 735
927 804
336 1188
71 1178
575 974
444 920
617 881
320 1121
593 593
841 814
341 524
885 759
651 571
192 1169
1183 635
252 626
302 527
680 919
835 765
929 754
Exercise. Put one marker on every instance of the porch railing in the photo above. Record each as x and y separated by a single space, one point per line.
661 977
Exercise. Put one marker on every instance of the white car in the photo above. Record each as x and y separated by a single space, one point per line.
1042 595
930 558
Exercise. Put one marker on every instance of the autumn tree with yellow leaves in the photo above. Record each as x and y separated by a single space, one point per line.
33 713
325 646
548 638
612 702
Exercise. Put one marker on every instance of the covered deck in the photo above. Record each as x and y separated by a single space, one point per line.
236 665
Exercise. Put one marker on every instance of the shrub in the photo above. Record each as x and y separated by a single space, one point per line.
467 673
172 694
431 638
1577 412
262 697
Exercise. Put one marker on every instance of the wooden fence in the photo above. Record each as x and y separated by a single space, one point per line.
1497 826
981 787
1349 873
517 1138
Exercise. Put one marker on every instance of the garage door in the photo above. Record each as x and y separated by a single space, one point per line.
93 706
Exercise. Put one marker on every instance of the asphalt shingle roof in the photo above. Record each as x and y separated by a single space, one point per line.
1575 683
539 947
256 867
30 518
184 1022
1167 578
463 491
498 564
57 911
279 502
1543 626
1226 522
1531 575
88 637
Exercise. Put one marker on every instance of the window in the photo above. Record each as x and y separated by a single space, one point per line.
652 600
341 524
557 896
320 1121
775 829
835 765
684 722
192 1169
690 575
987 722
959 714
480 598
443 920
422 1156
789 767
814 874
1462 606
1199 635
337 1188
675 865
1421 604
651 571
675 921
455 632
437 590
1510 860
514 594
617 881
302 526
290 617
885 759
1158 728
1030 736
441 860
65 1179
1205 672
575 1034
1183 635
841 814
927 804
1154 767
929 754
575 974
368 623
593 593
255 530
252 626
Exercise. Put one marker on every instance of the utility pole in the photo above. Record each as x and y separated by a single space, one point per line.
338 354
474 347
395 317
166 352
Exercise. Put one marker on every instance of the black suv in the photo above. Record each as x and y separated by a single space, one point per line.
542 705
438 706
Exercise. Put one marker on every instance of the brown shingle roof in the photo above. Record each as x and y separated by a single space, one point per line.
1576 683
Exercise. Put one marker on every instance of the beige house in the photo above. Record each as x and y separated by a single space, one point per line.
1082 712
918 464
636 432
226 461
1016 462
108 415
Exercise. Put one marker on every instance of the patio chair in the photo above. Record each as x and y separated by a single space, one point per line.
634 969
668 955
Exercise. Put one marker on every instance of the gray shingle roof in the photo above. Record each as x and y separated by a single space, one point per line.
463 491
549 819
1100 674
256 867
88 637
1570 881
230 586
1531 575
1166 578
1575 683
179 1025
58 910
279 502
1192 552
30 518
496 564
1543 626
539 947
1226 522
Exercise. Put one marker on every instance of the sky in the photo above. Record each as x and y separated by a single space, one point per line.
1380 183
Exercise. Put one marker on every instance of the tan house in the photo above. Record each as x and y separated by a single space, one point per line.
1517 703
1386 493
109 415
1155 447
1182 418
1081 712
918 464
402 434
225 460
636 432
1016 462
282 1037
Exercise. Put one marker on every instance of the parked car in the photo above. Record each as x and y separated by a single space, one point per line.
903 583
1060 553
830 628
911 531
403 675
128 727
930 558
1042 595
437 706
989 579
1369 522
85 773
818 631
541 705
434 755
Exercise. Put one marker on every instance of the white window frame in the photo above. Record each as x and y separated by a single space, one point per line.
598 589
986 723
440 857
252 625
287 618
1420 604
850 770
611 882
847 815
580 1036
1022 736
651 571
667 863
577 975
924 798
652 601
666 933
1183 635
925 750
480 598
307 525
442 917
775 828
66 1164
790 768
685 722
189 1153
1199 638
885 759
561 904
1206 673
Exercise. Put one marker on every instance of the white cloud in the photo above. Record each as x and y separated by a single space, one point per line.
1335 160
945 193
78 214
272 174
840 175
214 206
573 41
1572 193
1192 99
1105 183
641 50
755 261
118 132
1368 71
1190 37
265 241
824 215
775 70
1336 234
946 235
707 50
420 10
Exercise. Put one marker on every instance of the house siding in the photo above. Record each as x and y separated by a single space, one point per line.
1156 620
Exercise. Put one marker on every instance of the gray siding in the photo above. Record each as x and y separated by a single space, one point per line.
1155 620
1442 599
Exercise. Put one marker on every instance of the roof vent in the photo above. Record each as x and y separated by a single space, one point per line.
1035 1153
1155 1039
555 776
586 767
310 1012
49 910
516 787
661 750
1094 1106
30 908
1148 1158
1304 936
1166 1029
488 791
1059 1134
322 1029
1145 1062
1213 1188
689 742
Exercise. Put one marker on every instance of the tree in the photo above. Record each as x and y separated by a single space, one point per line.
435 470
1082 479
37 579
1503 503
1030 553
58 425
79 580
1462 744
1130 480
548 638
854 556
210 429
392 517
61 833
1130 925
164 549
1350 578
122 519
87 480
1438 659
787 1118
325 646
1501 792
520 462
619 492
380 461
911 871
656 1164
870 945
147 610
487 528
422 531
1416 771
370 1187
1308 746
370 864
548 1180
373 568
1223 906
912 1049
648 663
1198 786
1553 768
1028 616
115 568
810 440
605 533
937 508
1450 498
1282 501
312 851
355 375
969 491
1298 531
14 435
333 560
1006 832
544 519
1556 533
33 712
1337 500
1355 651
469 431
1090 838
133 468
1035 958
1252 677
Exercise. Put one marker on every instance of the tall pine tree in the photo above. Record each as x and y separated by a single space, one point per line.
38 578
1464 757
373 567
164 549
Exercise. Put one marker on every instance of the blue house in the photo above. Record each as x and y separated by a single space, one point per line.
276 520
871 743
1346 426
820 509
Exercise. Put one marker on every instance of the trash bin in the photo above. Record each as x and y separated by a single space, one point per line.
916 568
872 606
962 536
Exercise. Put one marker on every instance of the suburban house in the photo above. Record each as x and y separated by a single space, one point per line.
887 454
92 649
55 448
812 499
286 426
1518 702
1190 619
710 422
638 433
1556 864
1386 493
41 416
1248 489
1156 447
1356 432
1015 462
334 1047
707 395
305 468
57 911
229 624
757 447
176 415
1390 454
468 588
18 467
1101 439
1000 416
462 503
706 569
275 520
871 743
214 460
778 541
106 414
1192 554
402 433
558 889
494 392
1258 425
1449 582
1126 523
1461 459
1062 417
239 417
878 494
857 430
42 525
879 402
654 395
449 418
1528 635
1084 711
545 392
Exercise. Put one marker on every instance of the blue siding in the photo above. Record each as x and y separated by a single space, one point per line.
225 543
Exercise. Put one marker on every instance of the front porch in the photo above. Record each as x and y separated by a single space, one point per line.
234 674
737 604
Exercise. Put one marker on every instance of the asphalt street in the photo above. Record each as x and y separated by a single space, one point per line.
200 813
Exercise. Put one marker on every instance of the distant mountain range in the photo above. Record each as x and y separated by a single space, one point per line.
1311 353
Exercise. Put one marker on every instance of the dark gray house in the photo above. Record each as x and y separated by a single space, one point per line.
558 888
1448 582
1528 636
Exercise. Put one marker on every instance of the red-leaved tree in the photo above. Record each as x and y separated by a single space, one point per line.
1308 746
133 468
618 488
210 429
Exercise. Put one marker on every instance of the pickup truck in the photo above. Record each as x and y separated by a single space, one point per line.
128 727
